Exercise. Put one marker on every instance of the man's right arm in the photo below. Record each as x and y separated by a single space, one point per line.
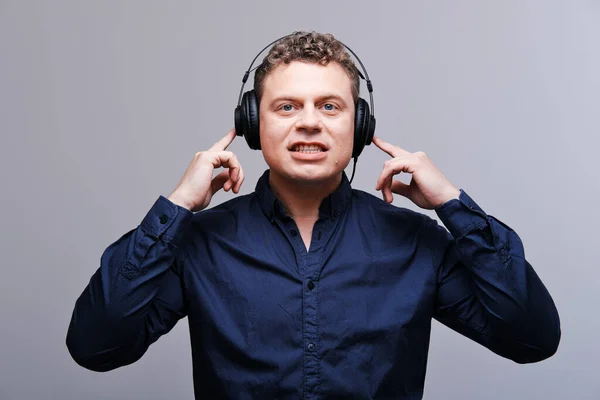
137 293
135 296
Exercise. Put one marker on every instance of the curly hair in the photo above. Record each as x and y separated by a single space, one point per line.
310 47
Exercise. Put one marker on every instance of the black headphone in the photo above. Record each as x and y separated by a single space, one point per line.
247 121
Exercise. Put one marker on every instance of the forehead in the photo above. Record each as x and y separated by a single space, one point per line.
307 80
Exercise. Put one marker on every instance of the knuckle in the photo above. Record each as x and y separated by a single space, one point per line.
202 156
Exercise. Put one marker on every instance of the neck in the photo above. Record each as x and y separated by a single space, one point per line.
302 201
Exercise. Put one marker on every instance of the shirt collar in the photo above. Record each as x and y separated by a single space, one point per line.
332 206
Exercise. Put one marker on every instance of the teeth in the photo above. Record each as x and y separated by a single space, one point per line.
308 149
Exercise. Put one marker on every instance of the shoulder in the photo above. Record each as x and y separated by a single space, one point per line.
372 209
372 206
225 215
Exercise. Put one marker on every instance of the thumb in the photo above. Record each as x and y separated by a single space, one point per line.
401 188
215 185
218 181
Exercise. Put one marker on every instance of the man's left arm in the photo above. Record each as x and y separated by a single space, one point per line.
487 290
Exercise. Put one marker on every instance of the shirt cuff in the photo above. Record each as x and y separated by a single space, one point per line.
167 221
461 215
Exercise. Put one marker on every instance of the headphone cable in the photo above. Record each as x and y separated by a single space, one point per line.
353 168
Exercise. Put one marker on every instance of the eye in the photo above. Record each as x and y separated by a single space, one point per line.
329 107
287 107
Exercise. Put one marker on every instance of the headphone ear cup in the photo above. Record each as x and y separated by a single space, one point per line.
361 127
240 121
371 130
252 129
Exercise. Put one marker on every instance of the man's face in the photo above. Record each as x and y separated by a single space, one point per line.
307 121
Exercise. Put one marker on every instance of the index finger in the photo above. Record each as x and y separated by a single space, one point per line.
392 150
224 142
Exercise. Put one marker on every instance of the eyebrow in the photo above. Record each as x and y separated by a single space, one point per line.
327 96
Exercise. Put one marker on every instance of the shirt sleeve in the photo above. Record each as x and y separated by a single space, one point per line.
136 294
486 289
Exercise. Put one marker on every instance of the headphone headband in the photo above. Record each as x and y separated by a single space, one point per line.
369 84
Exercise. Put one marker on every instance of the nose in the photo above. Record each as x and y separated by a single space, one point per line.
309 120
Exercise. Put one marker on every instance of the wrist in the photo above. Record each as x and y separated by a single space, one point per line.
175 199
452 195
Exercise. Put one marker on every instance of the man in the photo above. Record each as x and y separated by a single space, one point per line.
307 288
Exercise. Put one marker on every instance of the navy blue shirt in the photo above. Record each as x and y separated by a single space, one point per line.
350 318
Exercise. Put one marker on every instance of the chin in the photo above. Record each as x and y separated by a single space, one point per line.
312 175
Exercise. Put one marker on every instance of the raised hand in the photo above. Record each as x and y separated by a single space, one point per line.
197 186
428 188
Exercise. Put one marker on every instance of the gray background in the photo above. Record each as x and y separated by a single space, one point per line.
103 105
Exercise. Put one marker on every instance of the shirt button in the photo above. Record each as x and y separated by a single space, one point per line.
311 285
163 219
294 232
311 346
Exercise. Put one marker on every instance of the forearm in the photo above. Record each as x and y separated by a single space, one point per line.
108 327
506 306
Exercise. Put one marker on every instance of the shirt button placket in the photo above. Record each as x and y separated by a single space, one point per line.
309 267
311 326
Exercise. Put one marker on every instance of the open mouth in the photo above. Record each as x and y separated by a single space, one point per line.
308 149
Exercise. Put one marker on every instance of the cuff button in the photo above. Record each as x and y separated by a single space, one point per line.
163 219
